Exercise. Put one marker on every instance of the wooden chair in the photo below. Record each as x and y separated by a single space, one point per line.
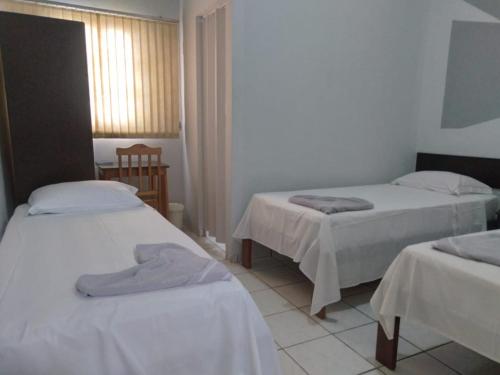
143 167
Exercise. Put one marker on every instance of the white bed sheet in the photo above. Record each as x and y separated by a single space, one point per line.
47 327
456 297
346 249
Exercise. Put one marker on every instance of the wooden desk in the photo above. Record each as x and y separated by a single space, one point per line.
109 171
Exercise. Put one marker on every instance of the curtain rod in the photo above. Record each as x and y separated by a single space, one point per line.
99 10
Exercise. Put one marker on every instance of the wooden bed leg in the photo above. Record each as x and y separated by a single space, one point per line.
387 350
322 313
246 255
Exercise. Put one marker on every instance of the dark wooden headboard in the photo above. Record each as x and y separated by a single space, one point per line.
46 126
486 170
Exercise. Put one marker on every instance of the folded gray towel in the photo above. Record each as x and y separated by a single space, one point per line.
482 248
331 205
161 266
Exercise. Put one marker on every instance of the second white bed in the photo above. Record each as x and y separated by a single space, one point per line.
346 249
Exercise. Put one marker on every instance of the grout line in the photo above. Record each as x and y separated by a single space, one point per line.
294 361
439 360
355 351
351 329
276 313
305 342
282 286
359 310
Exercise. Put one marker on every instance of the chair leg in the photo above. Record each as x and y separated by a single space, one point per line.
246 255
387 350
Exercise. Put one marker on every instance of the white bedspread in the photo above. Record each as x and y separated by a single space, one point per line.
48 328
458 298
346 249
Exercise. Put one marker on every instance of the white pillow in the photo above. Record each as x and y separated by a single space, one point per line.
443 182
83 196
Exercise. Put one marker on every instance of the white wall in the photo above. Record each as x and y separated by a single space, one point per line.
477 140
324 93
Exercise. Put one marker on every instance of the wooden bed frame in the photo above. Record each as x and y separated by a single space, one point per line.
486 170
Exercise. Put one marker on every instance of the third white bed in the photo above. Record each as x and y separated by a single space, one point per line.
346 249
459 298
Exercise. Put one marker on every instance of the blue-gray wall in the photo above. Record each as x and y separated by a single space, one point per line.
324 93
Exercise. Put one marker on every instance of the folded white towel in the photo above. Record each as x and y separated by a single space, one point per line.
161 266
484 247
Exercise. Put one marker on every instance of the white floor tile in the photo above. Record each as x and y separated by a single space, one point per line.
420 336
421 364
235 268
328 356
340 316
362 303
288 366
293 327
465 361
364 340
252 283
299 294
270 302
374 372
279 276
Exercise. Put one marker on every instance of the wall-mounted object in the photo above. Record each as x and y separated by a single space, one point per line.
473 78
489 6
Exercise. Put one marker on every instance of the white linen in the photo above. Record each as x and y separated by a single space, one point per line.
443 182
83 196
48 328
349 248
459 298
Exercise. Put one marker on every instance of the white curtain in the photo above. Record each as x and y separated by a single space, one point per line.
214 124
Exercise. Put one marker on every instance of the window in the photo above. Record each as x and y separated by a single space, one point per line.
133 66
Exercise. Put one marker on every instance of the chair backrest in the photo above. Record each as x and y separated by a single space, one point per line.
140 164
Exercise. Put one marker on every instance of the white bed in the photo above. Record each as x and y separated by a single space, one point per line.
458 298
346 249
47 327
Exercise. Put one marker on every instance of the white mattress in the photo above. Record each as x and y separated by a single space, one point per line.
458 298
345 249
47 327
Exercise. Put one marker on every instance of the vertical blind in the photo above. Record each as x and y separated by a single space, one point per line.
133 67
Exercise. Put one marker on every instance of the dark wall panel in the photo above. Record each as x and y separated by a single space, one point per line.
46 85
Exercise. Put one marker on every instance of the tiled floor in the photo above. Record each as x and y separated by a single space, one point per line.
344 343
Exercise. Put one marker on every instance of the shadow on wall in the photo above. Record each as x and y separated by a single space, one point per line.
5 200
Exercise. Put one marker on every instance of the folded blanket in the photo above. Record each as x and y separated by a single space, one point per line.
482 248
161 266
331 205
